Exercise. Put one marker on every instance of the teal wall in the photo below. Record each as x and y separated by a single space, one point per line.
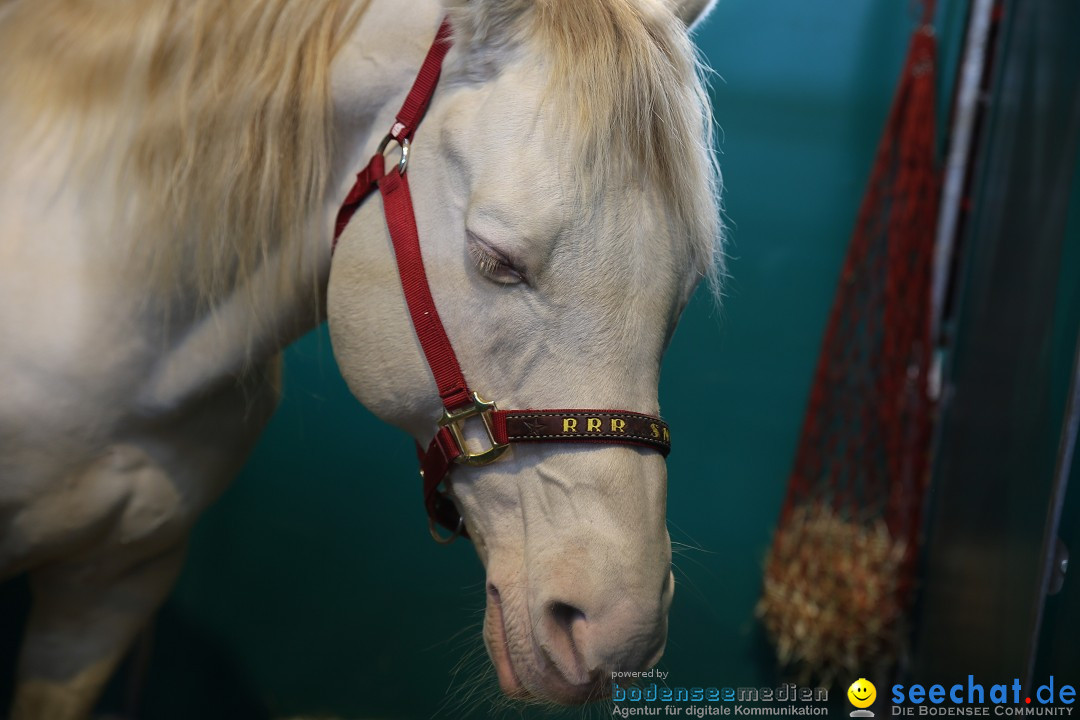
313 586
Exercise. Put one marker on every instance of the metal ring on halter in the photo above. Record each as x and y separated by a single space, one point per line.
445 539
403 143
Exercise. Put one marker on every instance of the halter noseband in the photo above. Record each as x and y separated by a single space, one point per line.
503 427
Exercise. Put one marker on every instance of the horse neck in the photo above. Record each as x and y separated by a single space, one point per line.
369 79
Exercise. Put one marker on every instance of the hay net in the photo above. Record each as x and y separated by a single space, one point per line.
840 572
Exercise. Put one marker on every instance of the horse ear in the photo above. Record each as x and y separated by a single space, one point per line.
691 11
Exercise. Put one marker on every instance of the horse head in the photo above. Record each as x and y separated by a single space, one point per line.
565 201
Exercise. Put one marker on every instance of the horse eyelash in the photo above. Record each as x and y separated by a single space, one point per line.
488 263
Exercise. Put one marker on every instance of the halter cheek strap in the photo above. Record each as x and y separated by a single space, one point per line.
460 404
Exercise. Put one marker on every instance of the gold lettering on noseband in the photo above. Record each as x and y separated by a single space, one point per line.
569 425
667 435
655 430
592 424
618 425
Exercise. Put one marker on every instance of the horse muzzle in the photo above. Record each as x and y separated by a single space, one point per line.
565 646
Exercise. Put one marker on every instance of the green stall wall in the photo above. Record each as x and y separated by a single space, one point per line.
312 585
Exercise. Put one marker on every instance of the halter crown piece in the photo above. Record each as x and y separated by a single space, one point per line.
460 403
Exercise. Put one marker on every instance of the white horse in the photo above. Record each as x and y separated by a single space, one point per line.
169 175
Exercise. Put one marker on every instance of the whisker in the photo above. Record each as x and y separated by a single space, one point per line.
672 525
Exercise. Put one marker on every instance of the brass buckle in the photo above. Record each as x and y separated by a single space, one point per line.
456 422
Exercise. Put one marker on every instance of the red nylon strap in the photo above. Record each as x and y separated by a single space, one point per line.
412 110
401 221
397 203
365 183
408 117
435 465
436 462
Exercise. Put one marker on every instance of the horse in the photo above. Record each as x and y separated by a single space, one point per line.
170 176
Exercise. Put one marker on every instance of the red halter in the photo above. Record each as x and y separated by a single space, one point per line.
459 402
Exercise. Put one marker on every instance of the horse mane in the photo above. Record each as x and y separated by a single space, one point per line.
631 99
220 109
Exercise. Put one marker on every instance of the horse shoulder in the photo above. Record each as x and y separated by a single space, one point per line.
90 447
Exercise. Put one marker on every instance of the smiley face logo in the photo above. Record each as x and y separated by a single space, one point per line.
862 693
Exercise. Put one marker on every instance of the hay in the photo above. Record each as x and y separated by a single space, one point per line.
830 602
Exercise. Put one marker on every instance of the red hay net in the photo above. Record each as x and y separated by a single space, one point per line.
840 572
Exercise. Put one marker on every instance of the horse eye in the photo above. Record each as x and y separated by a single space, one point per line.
492 264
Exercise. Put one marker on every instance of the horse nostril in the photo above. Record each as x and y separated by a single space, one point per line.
565 616
565 627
